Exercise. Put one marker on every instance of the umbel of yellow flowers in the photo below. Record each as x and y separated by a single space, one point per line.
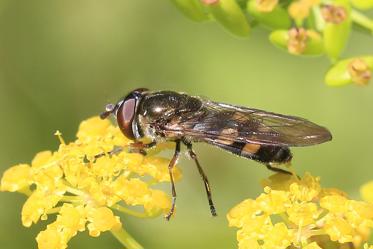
83 190
299 213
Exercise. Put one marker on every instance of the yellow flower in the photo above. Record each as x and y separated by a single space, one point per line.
16 178
273 201
101 219
296 213
366 192
51 238
303 214
279 237
82 183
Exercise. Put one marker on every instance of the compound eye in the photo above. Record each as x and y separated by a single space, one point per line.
125 117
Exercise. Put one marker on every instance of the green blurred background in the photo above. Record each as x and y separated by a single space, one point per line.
62 61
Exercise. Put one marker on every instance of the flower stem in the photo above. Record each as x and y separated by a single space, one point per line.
125 210
126 239
362 20
54 210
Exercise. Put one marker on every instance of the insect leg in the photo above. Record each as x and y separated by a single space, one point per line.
170 168
139 147
279 170
204 178
115 150
136 147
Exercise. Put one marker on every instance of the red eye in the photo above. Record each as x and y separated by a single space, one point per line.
125 117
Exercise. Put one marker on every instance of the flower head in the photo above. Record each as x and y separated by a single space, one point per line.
299 213
84 188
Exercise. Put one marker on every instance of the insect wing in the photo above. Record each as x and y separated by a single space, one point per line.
227 123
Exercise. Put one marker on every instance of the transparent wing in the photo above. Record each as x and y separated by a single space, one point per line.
228 123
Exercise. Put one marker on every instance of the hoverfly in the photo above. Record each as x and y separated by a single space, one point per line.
250 133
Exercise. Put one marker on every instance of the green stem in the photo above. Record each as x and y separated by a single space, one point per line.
125 210
70 198
362 20
54 210
126 239
320 23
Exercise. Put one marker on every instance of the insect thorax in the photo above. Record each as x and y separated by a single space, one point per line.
159 110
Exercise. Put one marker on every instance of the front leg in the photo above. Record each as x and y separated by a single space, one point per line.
170 168
136 147
115 150
140 147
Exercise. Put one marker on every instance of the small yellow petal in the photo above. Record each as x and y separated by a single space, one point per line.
334 203
159 201
41 159
51 238
71 219
93 127
247 208
366 192
156 167
37 205
16 178
274 202
102 219
303 214
338 229
279 237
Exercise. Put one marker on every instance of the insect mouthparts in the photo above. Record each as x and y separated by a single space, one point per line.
109 109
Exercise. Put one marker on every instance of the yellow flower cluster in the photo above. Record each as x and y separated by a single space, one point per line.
83 189
294 213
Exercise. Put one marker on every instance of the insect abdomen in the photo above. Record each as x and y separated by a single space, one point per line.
261 153
269 154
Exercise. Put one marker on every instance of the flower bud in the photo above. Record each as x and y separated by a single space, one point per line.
229 14
359 71
337 27
298 41
333 14
278 18
192 9
353 70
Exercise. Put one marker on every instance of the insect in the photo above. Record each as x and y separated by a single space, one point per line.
250 133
